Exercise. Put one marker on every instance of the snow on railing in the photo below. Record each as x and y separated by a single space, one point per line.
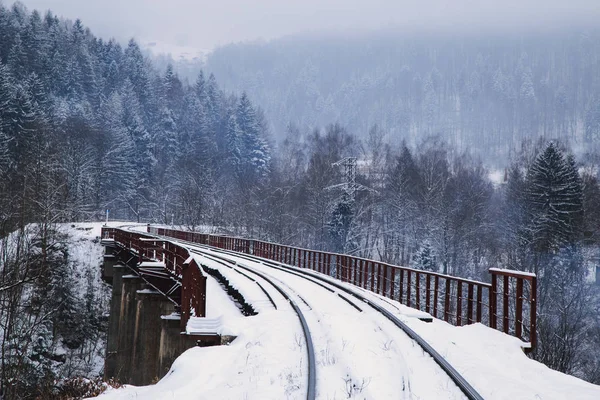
177 264
456 300
204 326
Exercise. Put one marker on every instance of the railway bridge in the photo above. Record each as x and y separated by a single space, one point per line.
159 297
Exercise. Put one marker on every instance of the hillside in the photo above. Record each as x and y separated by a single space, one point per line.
53 318
479 90
87 125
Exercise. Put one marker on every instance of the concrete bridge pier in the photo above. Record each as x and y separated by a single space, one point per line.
110 260
126 327
110 361
172 342
144 331
151 305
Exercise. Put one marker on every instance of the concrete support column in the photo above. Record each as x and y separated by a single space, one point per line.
110 259
144 333
150 306
110 362
172 343
124 367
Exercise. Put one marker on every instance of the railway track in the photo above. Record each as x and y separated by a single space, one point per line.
320 280
310 350
331 285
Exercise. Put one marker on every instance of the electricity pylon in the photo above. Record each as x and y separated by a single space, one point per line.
349 164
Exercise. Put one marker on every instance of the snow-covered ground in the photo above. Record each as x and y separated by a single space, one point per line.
177 53
85 259
359 355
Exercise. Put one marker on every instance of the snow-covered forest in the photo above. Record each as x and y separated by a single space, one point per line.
88 125
483 90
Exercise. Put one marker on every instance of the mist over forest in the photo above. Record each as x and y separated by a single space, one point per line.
480 90
250 146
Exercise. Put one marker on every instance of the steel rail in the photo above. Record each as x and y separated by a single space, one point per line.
454 375
312 378
225 263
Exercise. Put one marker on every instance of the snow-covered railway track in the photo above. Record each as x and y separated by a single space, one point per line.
311 376
407 366
333 286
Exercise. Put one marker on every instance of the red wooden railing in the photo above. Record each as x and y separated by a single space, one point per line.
178 264
456 300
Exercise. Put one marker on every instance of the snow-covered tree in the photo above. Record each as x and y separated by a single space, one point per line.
233 140
425 258
255 151
554 193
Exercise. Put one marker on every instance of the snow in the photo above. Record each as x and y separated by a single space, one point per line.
152 264
85 258
259 364
204 326
177 53
250 290
512 271
173 316
148 291
496 366
359 354
496 177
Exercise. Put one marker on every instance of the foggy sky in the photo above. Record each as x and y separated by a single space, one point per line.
205 24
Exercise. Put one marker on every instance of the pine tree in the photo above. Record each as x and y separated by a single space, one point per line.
112 78
554 193
214 103
68 318
527 90
38 93
167 139
135 68
404 192
173 90
425 258
57 77
17 58
73 87
200 144
232 135
200 88
202 135
7 108
255 152
514 225
90 85
20 128
132 121
34 43
118 160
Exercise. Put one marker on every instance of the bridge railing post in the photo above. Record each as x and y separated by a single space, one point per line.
514 300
